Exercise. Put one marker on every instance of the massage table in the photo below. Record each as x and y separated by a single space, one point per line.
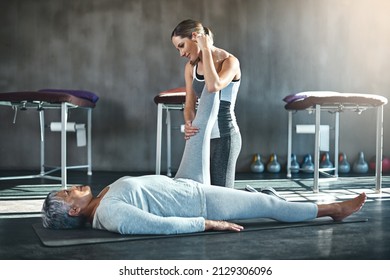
172 99
335 102
60 99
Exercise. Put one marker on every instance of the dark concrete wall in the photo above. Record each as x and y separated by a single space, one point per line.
121 50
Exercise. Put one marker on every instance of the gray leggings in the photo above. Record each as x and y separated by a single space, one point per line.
230 204
224 153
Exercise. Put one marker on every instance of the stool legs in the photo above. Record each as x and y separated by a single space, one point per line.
379 149
64 120
168 123
45 174
336 143
159 132
317 149
289 144
168 108
89 152
42 126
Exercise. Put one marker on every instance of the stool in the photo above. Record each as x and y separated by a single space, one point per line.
335 102
172 99
53 99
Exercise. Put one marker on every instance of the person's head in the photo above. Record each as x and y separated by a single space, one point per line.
64 209
184 38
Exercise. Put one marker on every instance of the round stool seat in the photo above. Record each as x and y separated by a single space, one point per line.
171 96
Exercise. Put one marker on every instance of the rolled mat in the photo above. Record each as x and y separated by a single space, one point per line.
71 237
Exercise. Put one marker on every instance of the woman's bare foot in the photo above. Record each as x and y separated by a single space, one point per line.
340 210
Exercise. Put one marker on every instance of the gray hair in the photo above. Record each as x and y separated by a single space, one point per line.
55 214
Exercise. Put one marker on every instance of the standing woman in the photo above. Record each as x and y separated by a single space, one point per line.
212 75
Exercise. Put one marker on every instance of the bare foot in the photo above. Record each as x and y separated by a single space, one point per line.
349 207
340 210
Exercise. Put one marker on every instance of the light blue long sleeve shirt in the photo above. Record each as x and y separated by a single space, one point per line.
144 205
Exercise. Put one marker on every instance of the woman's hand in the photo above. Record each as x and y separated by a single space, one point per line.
222 225
204 41
189 130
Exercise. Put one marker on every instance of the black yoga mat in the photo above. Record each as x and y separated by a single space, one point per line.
58 238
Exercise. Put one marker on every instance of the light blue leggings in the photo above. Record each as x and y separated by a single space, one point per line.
195 163
231 204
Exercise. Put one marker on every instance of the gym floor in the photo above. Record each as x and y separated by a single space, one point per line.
352 241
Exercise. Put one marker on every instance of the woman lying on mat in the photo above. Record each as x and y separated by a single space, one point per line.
157 204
